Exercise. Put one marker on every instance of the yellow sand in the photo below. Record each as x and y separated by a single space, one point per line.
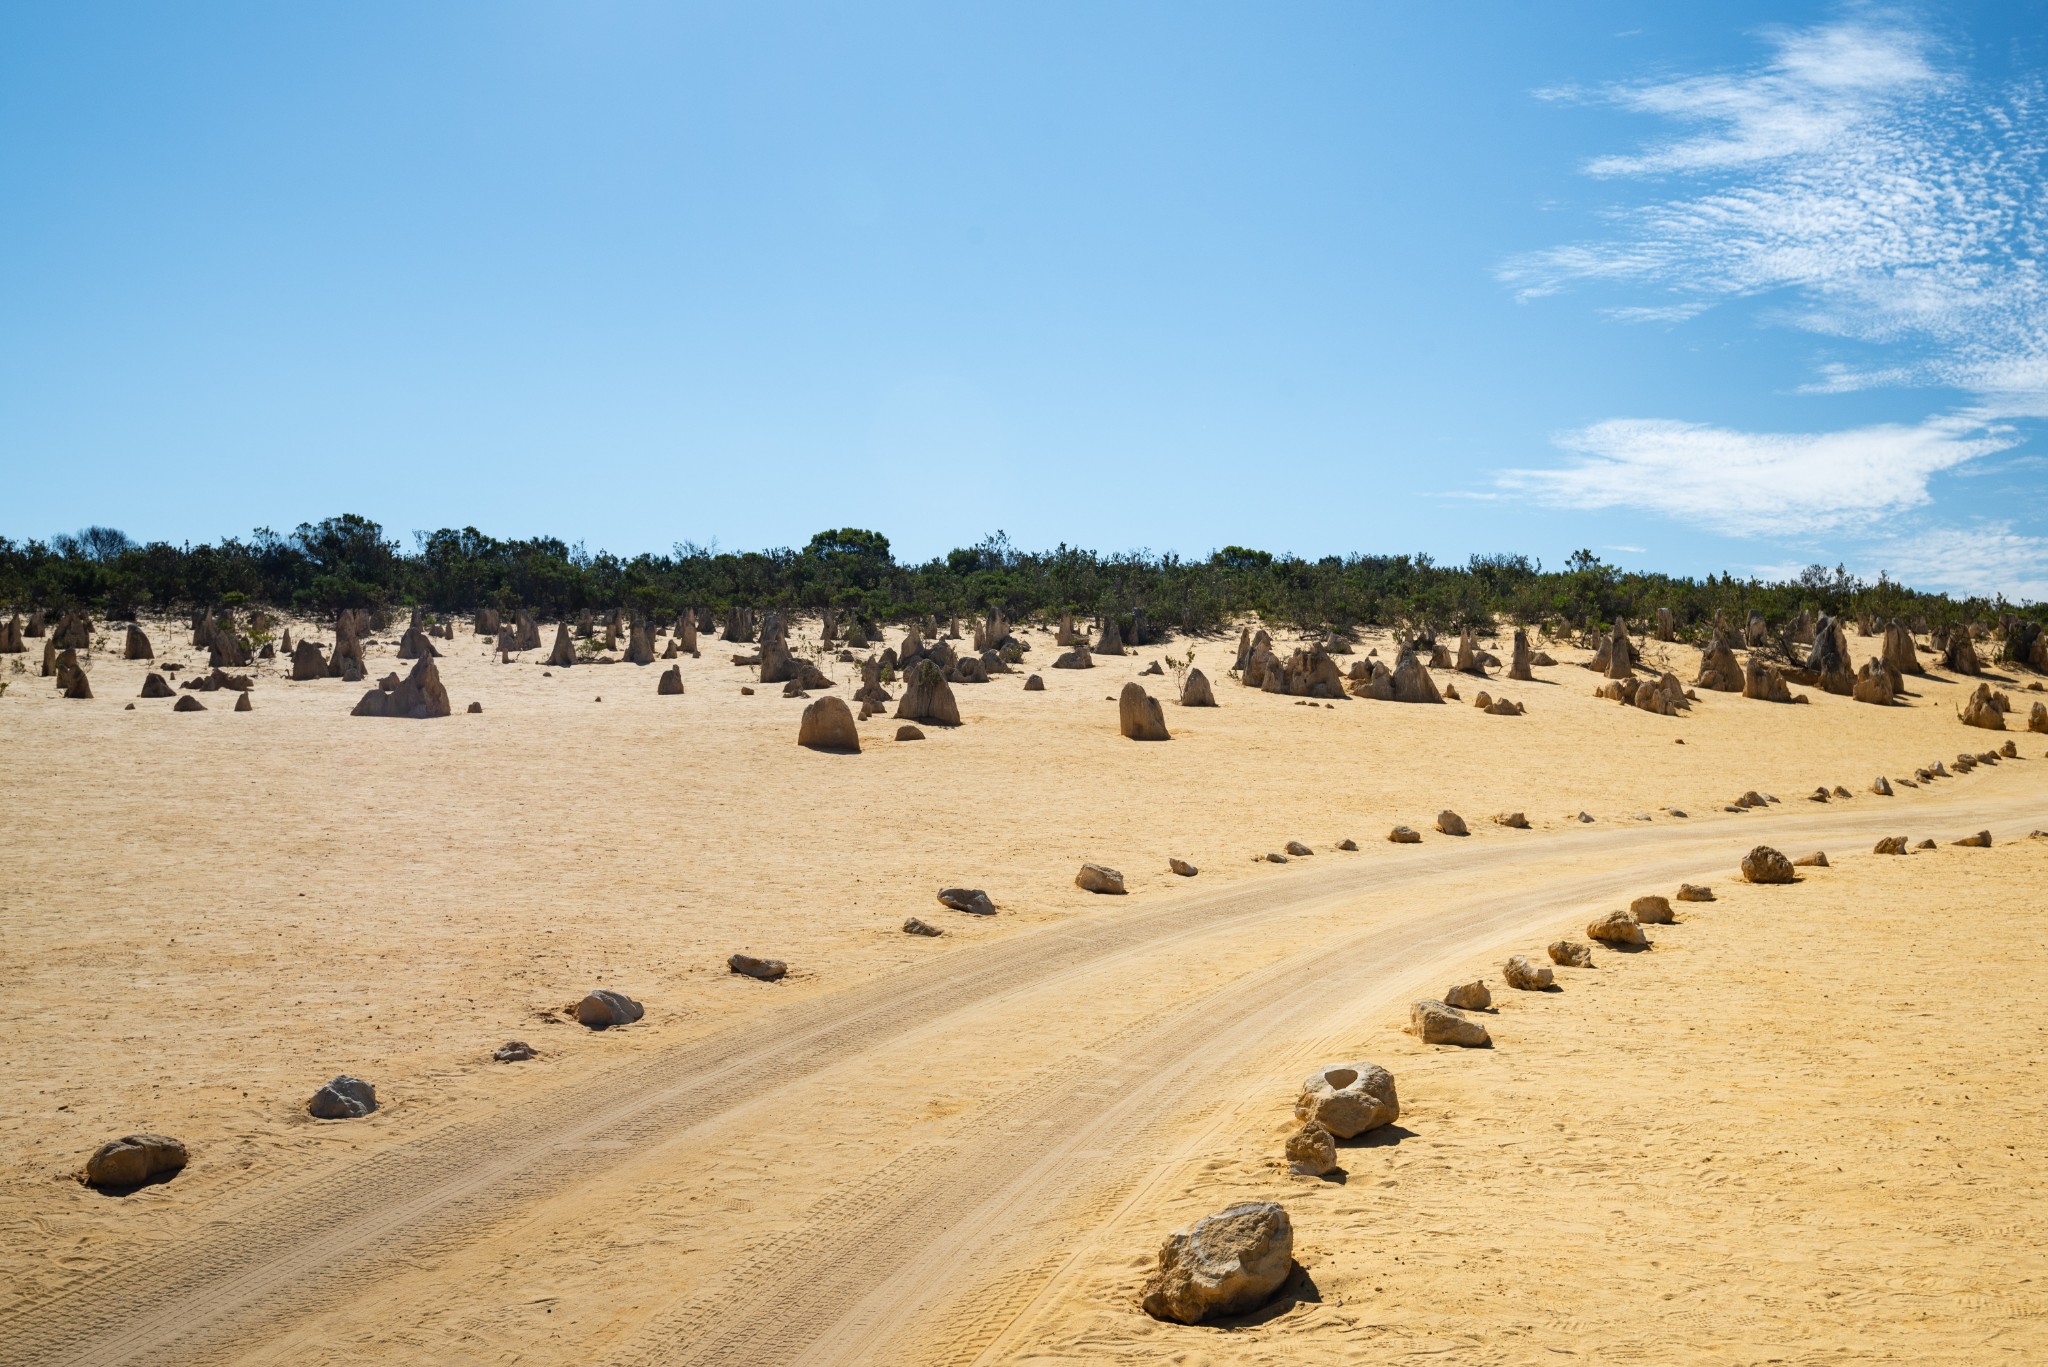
207 915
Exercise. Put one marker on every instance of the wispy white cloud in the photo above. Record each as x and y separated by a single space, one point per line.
1756 483
1888 197
1988 559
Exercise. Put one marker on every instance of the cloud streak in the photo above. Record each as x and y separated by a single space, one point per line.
1755 484
1888 199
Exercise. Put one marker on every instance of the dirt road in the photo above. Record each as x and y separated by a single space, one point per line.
925 1243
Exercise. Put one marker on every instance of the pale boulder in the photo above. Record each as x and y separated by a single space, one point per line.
1224 1264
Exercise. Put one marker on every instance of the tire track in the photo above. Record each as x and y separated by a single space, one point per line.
274 1255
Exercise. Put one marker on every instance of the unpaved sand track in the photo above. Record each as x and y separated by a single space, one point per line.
937 1250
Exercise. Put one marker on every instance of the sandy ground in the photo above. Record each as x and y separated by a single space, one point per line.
1804 1128
207 915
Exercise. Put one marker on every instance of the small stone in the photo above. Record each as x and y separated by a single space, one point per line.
1472 996
1099 878
1981 840
1436 1022
1765 865
1347 844
345 1098
913 926
1927 845
1817 860
1225 1264
475 707
1695 892
1311 1151
1652 909
1570 954
1526 975
1512 820
604 1008
1450 823
973 901
133 1160
1891 844
1272 858
747 966
1182 867
1617 928
514 1051
1347 1099
1296 848
1402 835
910 733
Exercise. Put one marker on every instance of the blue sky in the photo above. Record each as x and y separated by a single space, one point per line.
1704 288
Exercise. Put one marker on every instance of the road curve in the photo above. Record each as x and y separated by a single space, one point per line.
905 1257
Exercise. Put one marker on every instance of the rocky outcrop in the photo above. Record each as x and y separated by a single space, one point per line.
418 696
640 643
307 662
1411 682
1348 1099
670 685
827 724
928 697
1875 683
1308 673
1139 716
1195 692
71 680
1763 682
1982 711
1959 655
1615 658
1077 658
1111 642
1471 659
136 646
1519 663
1224 1264
154 685
1897 650
1719 670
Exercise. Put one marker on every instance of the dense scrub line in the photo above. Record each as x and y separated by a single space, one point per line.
347 562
